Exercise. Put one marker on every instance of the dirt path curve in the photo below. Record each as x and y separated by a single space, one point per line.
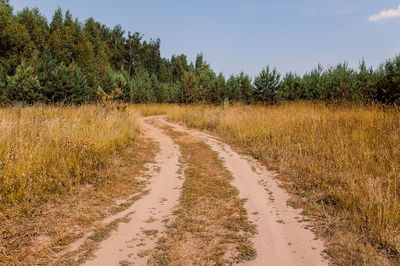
131 241
282 238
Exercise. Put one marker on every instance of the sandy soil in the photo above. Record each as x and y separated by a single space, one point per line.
132 241
282 239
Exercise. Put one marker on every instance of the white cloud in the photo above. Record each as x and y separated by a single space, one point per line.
385 14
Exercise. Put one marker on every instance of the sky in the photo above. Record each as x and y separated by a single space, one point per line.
247 35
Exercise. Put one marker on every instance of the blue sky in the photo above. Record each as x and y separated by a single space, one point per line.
246 35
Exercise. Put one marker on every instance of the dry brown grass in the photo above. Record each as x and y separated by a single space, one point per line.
211 225
63 170
342 162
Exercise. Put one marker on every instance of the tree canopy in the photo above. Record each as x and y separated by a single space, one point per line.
69 61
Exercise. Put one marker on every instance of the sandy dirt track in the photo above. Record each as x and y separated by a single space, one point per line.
282 238
131 241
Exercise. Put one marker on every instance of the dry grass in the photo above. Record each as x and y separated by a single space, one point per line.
47 150
63 169
343 162
211 226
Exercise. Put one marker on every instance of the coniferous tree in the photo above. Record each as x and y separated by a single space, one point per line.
67 84
389 83
266 85
36 25
231 92
291 87
142 89
188 87
245 88
313 84
179 67
367 82
340 84
24 86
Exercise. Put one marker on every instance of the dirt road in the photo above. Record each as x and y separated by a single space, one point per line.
281 239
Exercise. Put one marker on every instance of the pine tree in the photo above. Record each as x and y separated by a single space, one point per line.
245 89
67 84
188 87
142 91
36 25
45 67
367 81
231 92
24 86
266 85
389 82
291 87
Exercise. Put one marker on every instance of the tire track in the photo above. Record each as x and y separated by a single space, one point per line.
132 242
282 239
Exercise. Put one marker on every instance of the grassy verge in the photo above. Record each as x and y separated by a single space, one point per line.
341 164
63 170
211 225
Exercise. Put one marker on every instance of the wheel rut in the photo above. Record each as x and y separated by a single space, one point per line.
283 236
132 242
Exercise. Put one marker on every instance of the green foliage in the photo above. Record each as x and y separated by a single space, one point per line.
72 60
246 89
266 85
36 25
205 83
340 84
24 86
15 42
291 87
179 67
388 88
188 87
142 88
3 85
67 84
313 84
367 83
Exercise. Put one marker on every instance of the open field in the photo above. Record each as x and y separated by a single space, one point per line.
342 163
70 175
62 170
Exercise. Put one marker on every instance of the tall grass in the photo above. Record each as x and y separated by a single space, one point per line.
45 150
343 159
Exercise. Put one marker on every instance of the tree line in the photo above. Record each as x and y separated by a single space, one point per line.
71 62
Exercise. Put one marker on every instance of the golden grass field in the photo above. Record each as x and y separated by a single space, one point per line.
47 150
61 171
341 162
